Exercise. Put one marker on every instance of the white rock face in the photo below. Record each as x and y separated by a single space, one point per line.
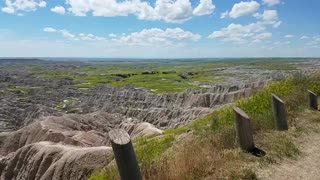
141 129
67 147
46 160
166 110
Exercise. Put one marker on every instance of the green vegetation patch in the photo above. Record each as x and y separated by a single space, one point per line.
150 150
158 83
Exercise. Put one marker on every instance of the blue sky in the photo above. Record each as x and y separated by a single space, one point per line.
159 28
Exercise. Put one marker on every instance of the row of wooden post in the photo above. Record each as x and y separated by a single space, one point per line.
243 125
126 159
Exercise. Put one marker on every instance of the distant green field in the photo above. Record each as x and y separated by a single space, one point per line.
163 76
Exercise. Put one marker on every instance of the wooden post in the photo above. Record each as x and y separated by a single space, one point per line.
313 104
244 130
124 154
279 113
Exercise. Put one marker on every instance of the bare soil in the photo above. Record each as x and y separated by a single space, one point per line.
306 166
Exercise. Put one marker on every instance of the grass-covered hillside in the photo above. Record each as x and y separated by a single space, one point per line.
207 148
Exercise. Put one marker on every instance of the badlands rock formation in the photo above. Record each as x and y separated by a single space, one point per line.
20 107
46 161
71 146
165 110
67 147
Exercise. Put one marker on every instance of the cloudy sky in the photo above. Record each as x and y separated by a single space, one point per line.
159 28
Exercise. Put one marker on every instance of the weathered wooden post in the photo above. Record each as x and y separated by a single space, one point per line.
124 154
313 104
279 113
244 130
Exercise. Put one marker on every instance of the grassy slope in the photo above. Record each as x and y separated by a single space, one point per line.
207 148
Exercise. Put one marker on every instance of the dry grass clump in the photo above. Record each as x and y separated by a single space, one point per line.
196 158
217 156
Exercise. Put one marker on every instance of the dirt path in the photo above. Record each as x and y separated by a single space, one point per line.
306 167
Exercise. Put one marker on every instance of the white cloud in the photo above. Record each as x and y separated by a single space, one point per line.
49 29
304 37
67 34
238 33
42 4
316 38
271 2
8 10
204 8
70 36
173 11
156 36
282 43
22 5
254 32
242 9
58 10
224 15
277 24
314 42
90 37
289 36
112 35
262 36
269 17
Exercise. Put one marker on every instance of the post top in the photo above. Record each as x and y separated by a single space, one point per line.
276 97
240 112
312 92
119 136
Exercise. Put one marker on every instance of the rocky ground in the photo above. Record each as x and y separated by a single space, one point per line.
50 129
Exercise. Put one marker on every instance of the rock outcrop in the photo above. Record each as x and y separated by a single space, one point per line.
46 160
140 129
73 129
67 147
164 110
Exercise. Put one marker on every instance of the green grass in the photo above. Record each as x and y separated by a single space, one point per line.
18 89
273 66
6 84
208 77
91 81
57 74
158 83
149 150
